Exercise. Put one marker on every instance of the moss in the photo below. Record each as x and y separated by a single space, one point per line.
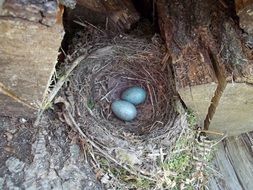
181 163
143 184
91 104
191 118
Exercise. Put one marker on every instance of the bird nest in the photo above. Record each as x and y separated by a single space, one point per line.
111 66
107 76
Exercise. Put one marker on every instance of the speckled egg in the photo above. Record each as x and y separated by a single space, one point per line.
124 110
135 95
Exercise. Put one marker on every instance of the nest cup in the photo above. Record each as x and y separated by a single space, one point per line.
109 70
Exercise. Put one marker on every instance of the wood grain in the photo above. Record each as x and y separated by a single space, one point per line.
28 54
208 50
234 161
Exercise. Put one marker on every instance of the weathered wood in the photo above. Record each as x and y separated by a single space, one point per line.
244 9
33 10
241 4
234 163
28 54
117 15
208 51
198 98
234 113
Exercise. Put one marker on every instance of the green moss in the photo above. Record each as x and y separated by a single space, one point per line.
179 163
142 184
104 163
48 105
91 104
191 118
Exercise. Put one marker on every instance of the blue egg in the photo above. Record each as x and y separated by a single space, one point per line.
124 110
135 95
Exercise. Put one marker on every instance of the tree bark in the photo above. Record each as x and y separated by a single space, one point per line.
47 156
209 54
30 34
116 15
244 10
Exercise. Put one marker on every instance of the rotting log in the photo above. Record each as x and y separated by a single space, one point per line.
30 37
212 62
244 10
115 15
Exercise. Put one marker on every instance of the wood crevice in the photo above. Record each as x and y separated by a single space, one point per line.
7 17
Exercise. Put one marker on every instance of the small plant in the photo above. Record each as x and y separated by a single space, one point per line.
47 105
141 183
90 104
180 163
191 118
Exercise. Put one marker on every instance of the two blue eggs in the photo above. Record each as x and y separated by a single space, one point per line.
125 109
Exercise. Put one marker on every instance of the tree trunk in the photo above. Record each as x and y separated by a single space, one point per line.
116 15
47 156
30 37
211 61
244 9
